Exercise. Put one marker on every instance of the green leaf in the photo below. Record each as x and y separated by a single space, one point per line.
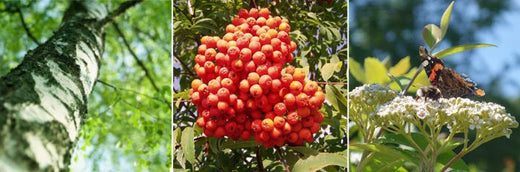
419 139
445 157
399 82
176 135
184 95
327 70
431 35
342 101
316 162
329 94
384 158
445 20
338 66
401 67
375 71
356 70
187 144
420 81
459 48
384 150
230 144
306 151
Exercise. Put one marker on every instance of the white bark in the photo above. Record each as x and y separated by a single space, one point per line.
44 99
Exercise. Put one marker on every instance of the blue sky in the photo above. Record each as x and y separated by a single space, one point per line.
492 61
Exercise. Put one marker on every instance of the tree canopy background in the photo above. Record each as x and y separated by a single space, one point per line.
128 124
393 29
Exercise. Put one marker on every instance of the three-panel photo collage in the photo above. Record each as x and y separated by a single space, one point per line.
251 85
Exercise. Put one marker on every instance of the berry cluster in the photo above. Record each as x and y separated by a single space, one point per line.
242 92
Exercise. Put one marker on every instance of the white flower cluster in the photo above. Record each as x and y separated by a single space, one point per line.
406 109
370 96
458 114
384 108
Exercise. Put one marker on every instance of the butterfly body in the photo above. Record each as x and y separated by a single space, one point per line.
447 81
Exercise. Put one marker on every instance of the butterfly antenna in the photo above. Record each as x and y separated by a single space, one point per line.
419 70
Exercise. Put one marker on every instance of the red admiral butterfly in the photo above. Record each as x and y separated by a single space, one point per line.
445 82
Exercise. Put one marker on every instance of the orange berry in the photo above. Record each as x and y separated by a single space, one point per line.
255 90
264 136
223 94
231 127
196 83
267 49
276 85
242 13
304 133
256 125
292 117
242 42
219 132
287 128
303 111
284 27
279 122
315 127
299 75
302 100
253 12
264 12
254 46
271 23
212 99
293 137
200 122
233 52
261 69
211 125
308 121
284 37
295 87
267 124
318 116
275 133
265 82
245 135
253 78
237 65
286 79
289 99
280 109
245 54
259 58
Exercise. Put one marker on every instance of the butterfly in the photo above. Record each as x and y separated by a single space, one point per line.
445 82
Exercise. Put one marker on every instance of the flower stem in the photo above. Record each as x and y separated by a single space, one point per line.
458 156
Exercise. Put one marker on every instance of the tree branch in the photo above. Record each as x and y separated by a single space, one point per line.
282 159
184 65
120 10
259 159
25 27
139 62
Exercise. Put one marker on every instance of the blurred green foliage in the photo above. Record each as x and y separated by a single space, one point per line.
320 31
128 122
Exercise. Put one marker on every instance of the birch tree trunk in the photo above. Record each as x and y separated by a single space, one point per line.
44 99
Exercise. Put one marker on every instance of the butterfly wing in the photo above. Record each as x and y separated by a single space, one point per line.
446 80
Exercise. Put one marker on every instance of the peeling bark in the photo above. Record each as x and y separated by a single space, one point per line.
44 99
